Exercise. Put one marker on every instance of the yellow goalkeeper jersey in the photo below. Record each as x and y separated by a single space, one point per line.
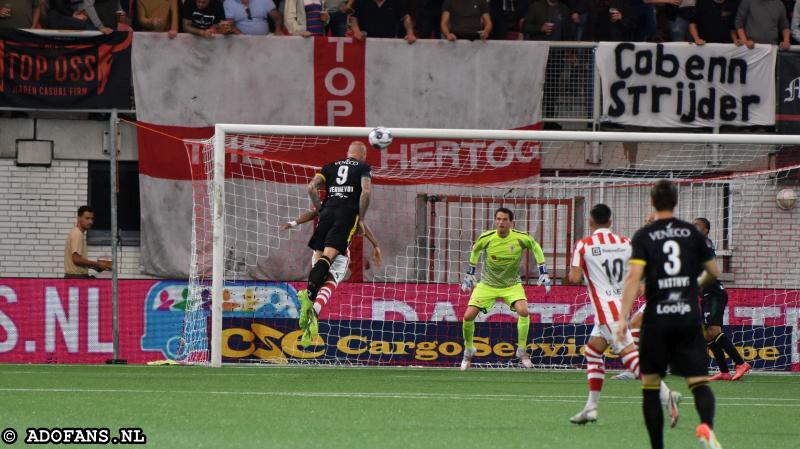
504 256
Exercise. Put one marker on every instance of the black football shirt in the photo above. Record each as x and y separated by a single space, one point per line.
343 183
673 253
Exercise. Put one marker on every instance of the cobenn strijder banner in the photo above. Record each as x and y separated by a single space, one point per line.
677 85
69 321
65 72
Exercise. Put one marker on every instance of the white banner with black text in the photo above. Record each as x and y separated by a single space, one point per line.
678 85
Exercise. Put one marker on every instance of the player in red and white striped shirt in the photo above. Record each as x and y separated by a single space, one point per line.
341 263
602 260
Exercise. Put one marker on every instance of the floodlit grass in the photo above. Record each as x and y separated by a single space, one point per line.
316 407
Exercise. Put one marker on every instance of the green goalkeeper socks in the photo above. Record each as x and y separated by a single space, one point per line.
523 325
469 331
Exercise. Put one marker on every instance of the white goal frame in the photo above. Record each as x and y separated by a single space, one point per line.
222 130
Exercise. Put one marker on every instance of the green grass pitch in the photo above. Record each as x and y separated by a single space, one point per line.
352 408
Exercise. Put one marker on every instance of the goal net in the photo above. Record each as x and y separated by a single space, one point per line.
434 192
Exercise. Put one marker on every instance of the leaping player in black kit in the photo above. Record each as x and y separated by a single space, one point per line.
670 254
347 186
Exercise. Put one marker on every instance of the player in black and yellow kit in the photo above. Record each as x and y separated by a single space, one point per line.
670 254
713 302
347 193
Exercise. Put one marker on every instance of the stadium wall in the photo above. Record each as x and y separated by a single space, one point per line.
40 204
767 241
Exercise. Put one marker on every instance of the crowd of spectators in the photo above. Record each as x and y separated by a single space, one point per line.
741 22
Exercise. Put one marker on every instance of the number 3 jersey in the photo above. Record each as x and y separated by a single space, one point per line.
343 182
603 258
673 253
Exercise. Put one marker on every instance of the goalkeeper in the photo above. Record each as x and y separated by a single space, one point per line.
504 248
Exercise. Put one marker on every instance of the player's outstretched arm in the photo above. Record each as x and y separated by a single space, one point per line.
376 247
303 218
629 294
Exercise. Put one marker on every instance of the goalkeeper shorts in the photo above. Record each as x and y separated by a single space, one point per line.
484 297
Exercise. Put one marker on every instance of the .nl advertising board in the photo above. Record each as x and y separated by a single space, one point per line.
69 321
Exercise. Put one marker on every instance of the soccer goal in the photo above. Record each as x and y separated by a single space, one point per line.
434 192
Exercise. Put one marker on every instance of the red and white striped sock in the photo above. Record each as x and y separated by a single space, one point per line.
631 362
635 333
324 295
596 373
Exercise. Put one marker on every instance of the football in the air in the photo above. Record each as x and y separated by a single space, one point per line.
380 138
786 199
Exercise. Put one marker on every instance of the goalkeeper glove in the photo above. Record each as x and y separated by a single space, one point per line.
544 279
469 280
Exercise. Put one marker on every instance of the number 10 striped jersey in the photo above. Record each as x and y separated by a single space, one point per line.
603 258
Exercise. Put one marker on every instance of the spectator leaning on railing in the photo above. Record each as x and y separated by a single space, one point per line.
548 20
678 18
713 22
761 22
19 13
466 19
579 15
250 16
610 20
66 15
338 12
382 18
158 15
502 12
305 17
202 17
427 17
796 21
101 14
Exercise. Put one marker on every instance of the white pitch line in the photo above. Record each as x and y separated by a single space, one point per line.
376 395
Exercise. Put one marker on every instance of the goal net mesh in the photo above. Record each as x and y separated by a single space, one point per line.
431 199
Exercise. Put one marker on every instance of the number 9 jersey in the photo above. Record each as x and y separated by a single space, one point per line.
338 219
343 182
603 258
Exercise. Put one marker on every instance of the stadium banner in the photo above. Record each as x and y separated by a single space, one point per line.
419 343
65 72
788 91
322 81
69 321
678 85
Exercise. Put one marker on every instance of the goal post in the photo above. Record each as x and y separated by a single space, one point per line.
246 184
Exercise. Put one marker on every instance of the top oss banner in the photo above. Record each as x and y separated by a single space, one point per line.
679 85
65 72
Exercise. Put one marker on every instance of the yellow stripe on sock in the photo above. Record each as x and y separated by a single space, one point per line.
698 384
